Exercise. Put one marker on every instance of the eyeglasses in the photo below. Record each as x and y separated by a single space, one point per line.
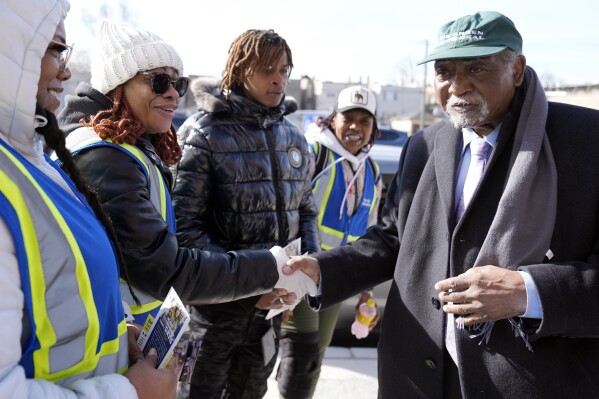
159 82
64 49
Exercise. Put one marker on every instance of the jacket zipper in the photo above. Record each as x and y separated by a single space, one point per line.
282 241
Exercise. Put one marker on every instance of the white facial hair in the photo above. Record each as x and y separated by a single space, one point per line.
468 119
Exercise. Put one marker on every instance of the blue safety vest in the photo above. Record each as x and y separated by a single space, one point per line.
85 138
73 324
336 226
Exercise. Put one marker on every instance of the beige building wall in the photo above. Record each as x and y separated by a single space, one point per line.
589 99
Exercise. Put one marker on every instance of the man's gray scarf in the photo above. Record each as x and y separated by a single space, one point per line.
521 231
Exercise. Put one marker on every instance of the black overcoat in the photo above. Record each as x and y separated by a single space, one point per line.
419 244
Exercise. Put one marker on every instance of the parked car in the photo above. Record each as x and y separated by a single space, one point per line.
387 150
390 136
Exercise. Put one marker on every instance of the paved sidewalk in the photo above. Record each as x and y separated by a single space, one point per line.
348 373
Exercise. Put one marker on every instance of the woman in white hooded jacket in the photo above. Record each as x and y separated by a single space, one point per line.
63 333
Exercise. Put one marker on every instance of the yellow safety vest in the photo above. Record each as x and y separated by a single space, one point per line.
73 322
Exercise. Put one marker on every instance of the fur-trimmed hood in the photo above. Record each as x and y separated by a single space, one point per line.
209 98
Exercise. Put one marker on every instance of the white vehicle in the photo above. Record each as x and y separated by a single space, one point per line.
387 150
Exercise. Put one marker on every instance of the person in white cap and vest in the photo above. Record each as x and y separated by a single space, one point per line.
63 331
347 186
124 149
490 233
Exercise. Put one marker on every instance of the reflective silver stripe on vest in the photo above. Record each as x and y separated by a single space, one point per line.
53 271
108 364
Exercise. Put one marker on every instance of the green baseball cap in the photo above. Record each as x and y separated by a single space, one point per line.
480 35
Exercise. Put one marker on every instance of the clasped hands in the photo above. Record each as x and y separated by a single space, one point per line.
289 290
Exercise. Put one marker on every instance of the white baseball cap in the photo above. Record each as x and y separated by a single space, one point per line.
356 97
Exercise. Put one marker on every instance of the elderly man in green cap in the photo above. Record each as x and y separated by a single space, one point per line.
490 233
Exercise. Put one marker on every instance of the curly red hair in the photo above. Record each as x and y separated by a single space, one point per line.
119 125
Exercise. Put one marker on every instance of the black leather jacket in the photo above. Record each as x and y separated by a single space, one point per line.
244 179
155 261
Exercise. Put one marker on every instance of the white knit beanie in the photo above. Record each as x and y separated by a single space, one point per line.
122 51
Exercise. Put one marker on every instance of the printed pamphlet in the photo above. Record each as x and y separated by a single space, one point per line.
164 332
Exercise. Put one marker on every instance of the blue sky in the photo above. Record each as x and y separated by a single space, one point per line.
339 40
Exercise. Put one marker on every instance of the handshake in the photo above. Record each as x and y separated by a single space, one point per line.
297 282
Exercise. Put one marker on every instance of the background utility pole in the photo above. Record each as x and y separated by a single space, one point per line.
423 102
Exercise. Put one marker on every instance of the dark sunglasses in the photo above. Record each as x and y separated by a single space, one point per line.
159 82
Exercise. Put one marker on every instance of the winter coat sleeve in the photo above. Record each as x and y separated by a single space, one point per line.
13 382
191 200
154 260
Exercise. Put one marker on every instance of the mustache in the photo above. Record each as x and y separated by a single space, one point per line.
475 115
474 99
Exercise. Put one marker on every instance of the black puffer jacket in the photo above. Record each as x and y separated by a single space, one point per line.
154 259
244 179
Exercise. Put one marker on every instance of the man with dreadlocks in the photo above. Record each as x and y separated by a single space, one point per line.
243 182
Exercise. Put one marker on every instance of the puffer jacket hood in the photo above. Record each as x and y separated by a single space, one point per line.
26 36
209 98
207 95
